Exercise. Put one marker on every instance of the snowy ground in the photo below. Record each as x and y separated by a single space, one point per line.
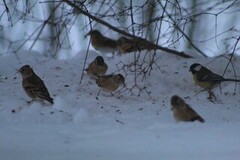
80 126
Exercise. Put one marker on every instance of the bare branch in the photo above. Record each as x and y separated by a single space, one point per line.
181 54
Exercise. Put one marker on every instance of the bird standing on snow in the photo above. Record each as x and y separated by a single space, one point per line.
101 43
206 79
33 85
97 67
182 111
110 83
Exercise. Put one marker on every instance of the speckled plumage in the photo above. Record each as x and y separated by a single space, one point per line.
110 83
33 85
97 67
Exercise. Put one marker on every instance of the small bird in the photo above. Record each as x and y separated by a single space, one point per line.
183 112
205 78
97 67
33 85
101 43
110 83
126 45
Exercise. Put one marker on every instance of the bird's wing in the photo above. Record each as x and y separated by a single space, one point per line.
190 110
212 77
194 115
38 86
110 42
103 79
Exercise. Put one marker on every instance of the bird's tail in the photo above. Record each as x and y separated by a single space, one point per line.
47 98
232 80
201 119
50 100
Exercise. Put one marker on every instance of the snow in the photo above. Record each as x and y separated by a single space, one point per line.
82 125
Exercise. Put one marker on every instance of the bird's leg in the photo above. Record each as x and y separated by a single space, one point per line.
220 88
211 96
99 92
111 58
112 94
113 54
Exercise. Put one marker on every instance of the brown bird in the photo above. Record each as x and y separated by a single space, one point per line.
182 111
101 43
126 45
97 67
110 83
33 85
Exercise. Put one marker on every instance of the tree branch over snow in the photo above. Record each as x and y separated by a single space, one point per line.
155 46
182 32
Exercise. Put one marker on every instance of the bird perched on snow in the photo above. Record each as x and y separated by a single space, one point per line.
206 79
33 85
97 67
182 111
101 43
110 83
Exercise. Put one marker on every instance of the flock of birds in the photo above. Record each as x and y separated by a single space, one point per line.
202 76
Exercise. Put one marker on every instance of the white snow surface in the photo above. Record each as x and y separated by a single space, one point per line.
80 126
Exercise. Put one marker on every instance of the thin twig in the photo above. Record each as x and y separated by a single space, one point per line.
182 32
85 60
